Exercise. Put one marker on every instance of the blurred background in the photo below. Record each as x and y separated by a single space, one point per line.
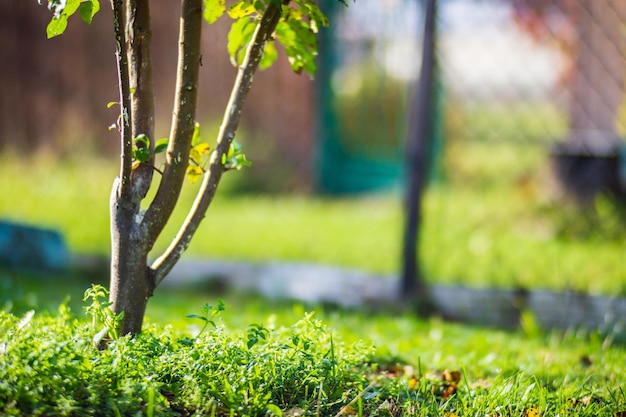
527 168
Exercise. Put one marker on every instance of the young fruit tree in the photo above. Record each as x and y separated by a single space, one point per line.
257 26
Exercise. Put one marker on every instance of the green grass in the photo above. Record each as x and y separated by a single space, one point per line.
379 363
493 222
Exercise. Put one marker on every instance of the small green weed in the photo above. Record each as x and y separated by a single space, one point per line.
210 312
101 313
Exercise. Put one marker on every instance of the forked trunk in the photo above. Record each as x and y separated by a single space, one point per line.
133 232
129 286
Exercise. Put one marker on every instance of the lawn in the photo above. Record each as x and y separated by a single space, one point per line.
487 224
492 224
382 364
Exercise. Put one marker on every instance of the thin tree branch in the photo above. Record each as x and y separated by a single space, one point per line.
183 121
121 50
139 35
163 265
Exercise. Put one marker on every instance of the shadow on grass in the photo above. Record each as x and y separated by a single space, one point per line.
24 290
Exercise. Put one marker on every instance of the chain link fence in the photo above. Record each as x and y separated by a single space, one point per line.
534 128
535 73
527 137
528 73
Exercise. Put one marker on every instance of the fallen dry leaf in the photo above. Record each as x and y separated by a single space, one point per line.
348 410
451 376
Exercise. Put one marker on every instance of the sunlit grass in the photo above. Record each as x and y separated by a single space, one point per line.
493 221
559 373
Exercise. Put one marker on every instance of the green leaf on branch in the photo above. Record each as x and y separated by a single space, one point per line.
161 145
300 45
213 10
88 10
197 136
141 149
63 10
198 155
141 140
60 7
56 27
239 37
235 158
141 154
270 55
315 15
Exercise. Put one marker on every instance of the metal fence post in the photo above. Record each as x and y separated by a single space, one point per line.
412 284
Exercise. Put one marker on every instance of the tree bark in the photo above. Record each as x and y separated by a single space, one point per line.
139 33
130 285
121 55
183 121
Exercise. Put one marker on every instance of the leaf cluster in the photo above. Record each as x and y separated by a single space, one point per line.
141 149
62 10
296 30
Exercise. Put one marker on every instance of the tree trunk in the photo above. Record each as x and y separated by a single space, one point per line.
133 233
130 285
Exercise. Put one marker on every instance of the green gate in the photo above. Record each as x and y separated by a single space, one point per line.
368 63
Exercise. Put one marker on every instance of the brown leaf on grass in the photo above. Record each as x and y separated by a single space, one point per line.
394 370
444 390
348 410
585 401
449 391
620 414
451 376
449 382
